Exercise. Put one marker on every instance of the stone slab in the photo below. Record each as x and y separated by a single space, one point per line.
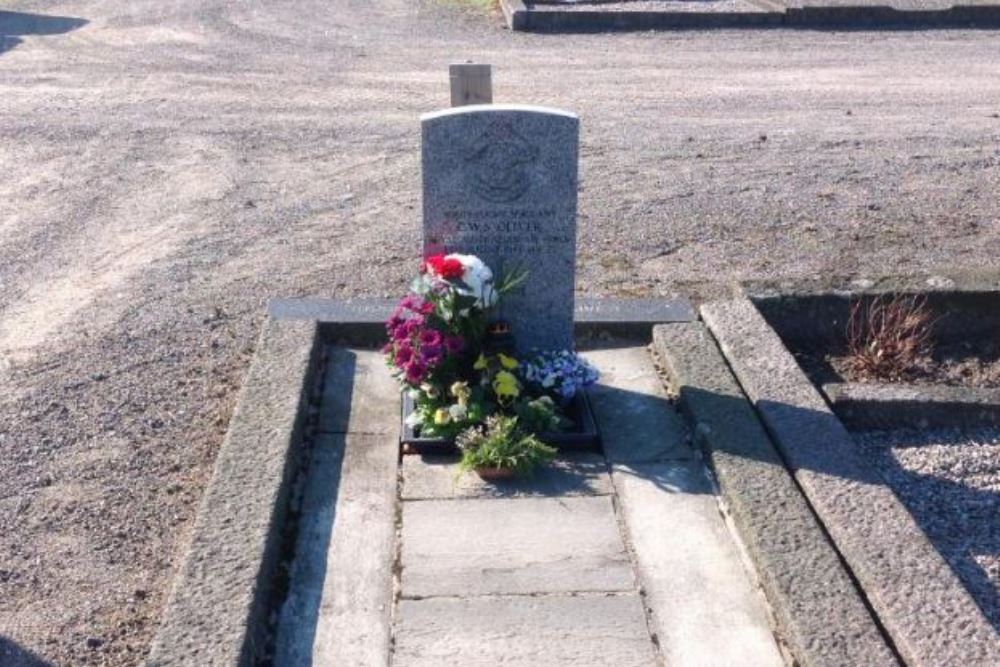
217 612
630 15
587 310
339 602
697 589
822 619
359 394
439 478
635 6
929 615
515 13
500 182
507 546
889 406
637 420
524 631
339 598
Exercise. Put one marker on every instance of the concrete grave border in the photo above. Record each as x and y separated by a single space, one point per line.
547 17
217 613
913 591
223 594
812 317
823 619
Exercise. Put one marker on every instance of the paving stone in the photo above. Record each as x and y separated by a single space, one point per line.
431 477
823 620
696 585
339 601
523 631
920 601
524 545
359 394
340 594
637 421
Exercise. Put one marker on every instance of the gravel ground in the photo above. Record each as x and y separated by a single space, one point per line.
168 165
950 482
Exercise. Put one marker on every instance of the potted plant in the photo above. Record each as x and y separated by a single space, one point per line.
500 450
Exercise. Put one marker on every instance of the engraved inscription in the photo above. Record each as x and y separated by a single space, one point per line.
504 233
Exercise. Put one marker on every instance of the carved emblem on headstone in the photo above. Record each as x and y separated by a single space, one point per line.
497 166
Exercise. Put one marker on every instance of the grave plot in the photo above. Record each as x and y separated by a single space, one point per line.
885 410
323 540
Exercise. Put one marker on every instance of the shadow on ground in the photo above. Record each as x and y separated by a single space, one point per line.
14 25
12 655
975 508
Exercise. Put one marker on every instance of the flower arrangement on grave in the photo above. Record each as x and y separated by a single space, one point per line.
457 362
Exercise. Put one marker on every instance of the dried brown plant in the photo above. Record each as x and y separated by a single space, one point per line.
886 335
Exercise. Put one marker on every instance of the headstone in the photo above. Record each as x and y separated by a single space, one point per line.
500 182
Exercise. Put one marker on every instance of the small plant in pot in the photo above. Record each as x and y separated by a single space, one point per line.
499 450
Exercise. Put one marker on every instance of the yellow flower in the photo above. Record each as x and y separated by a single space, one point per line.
480 363
510 363
460 390
505 386
441 416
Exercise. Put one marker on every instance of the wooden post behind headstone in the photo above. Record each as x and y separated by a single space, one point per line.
470 84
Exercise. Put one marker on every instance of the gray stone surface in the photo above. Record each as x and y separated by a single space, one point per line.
523 545
592 309
930 616
359 394
887 406
339 601
546 15
698 591
439 478
523 631
822 618
587 310
500 182
217 611
636 419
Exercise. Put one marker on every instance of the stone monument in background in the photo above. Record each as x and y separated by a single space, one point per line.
500 182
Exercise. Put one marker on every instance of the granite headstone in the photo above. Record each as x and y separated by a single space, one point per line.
500 182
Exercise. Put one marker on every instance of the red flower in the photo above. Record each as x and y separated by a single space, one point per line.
448 268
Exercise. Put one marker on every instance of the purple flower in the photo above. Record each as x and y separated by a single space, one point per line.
453 344
403 355
413 325
430 338
415 371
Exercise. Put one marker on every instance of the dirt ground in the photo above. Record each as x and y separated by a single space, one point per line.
167 166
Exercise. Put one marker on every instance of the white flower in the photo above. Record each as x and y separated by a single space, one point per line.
458 412
479 279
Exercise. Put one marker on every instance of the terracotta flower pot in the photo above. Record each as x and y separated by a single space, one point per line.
495 474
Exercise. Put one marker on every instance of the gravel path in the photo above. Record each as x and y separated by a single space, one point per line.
950 482
168 166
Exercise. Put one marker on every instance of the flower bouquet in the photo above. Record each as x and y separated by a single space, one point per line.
463 382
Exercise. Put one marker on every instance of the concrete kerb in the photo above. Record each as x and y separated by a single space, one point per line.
515 13
879 407
929 615
217 613
821 617
549 18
